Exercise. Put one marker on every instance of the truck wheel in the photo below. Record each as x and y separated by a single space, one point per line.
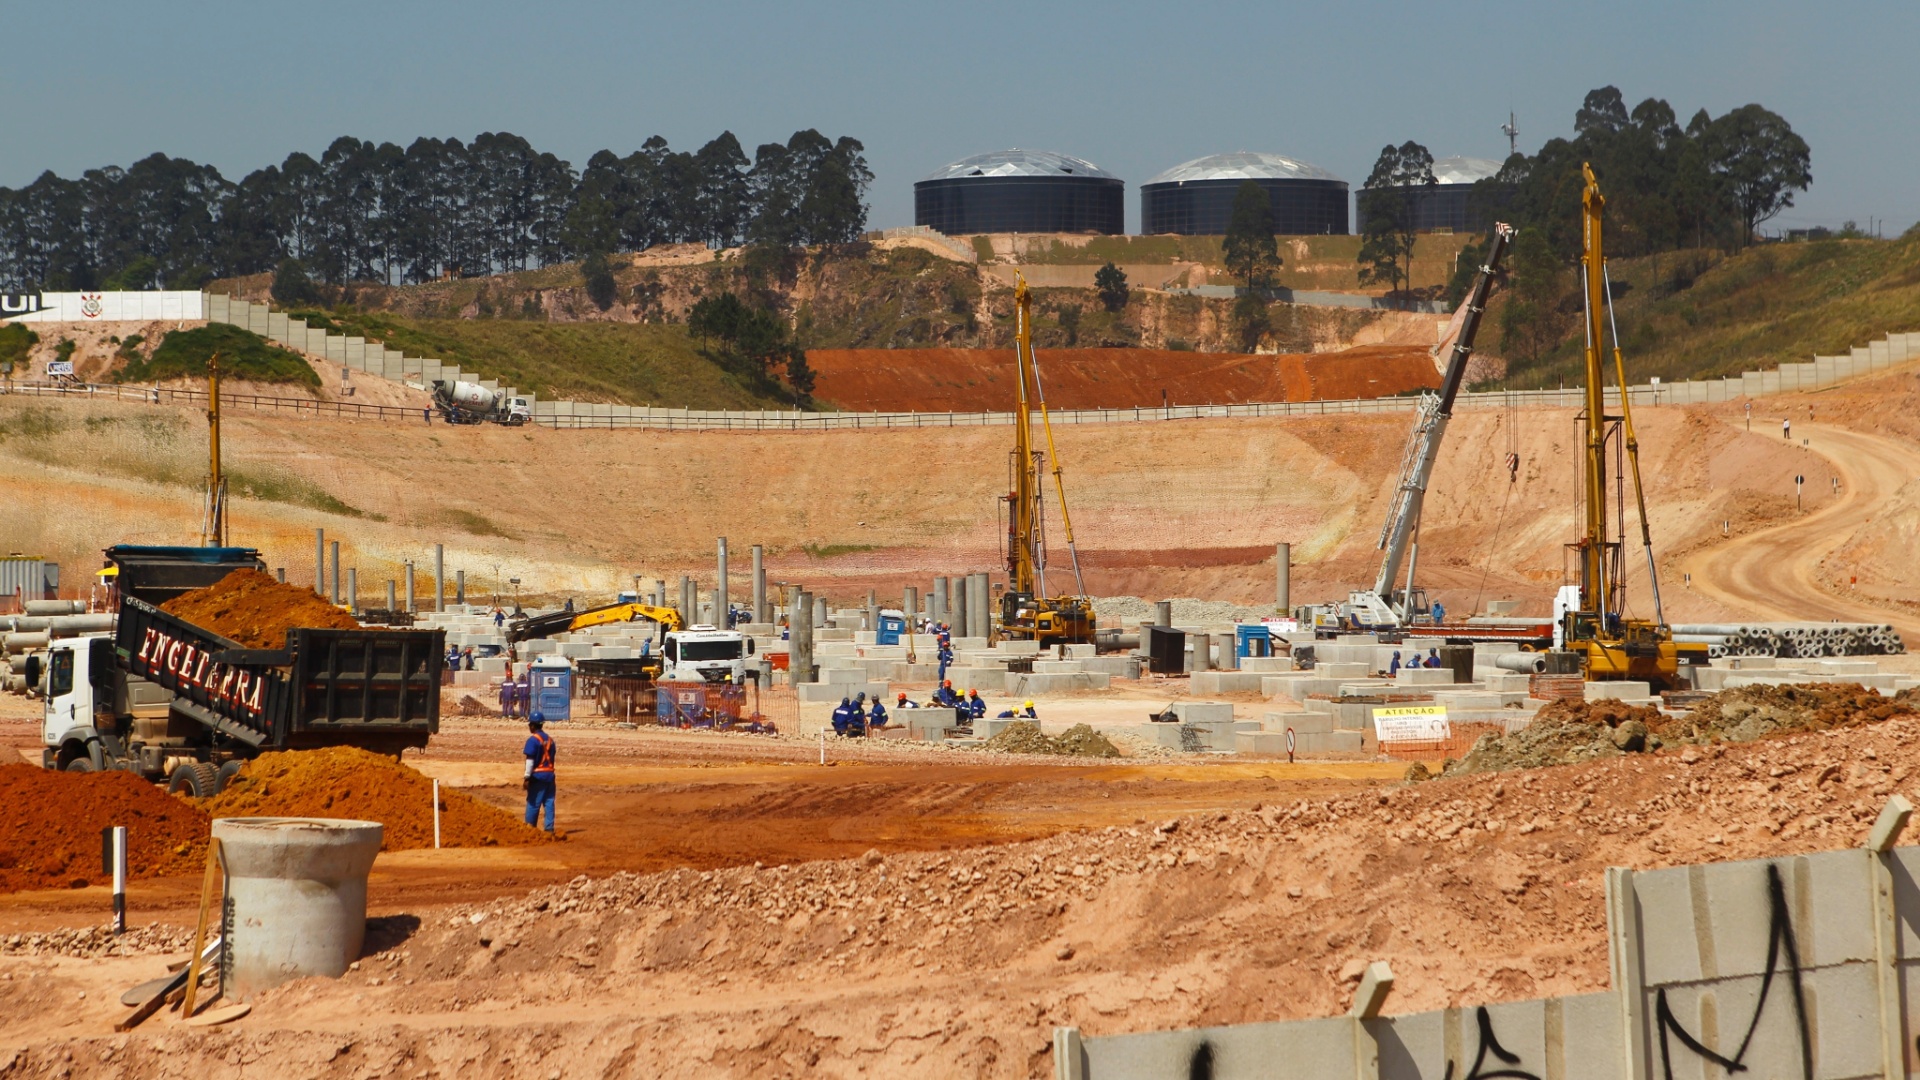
80 764
199 779
225 774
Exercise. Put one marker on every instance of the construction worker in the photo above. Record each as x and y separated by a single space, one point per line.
877 715
1786 427
1439 613
539 775
1432 660
975 706
1393 668
946 659
843 716
1026 712
906 703
506 697
945 695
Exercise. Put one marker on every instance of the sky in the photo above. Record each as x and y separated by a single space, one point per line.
1133 87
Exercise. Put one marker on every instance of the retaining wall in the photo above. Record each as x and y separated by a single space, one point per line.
1792 967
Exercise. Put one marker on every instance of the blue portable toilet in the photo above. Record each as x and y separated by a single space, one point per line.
550 687
893 623
1252 639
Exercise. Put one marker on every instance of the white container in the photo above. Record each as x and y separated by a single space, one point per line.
298 890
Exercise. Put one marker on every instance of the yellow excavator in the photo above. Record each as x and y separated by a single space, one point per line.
1609 644
560 622
1027 612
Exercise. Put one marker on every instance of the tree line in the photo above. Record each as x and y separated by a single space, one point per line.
365 211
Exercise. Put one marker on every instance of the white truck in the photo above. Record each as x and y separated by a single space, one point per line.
706 653
462 402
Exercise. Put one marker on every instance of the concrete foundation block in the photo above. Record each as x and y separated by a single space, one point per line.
843 675
612 652
1424 677
1019 648
490 665
1506 681
988 726
1203 712
1329 742
1343 670
1057 667
1622 689
833 692
1225 682
1266 665
1118 667
1260 742
1301 722
579 650
473 678
1287 686
926 725
1081 652
983 679
907 673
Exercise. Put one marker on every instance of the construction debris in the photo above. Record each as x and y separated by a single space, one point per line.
1079 740
252 609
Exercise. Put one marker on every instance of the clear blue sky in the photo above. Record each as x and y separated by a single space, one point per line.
1132 87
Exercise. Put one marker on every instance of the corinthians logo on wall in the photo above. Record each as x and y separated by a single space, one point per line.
90 305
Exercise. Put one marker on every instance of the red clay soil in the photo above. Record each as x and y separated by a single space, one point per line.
50 839
978 380
348 782
254 610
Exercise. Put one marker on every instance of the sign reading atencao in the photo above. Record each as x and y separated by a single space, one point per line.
1411 723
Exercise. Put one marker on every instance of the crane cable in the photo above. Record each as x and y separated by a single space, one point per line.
1060 487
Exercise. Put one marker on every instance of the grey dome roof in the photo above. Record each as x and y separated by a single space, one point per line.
1243 166
1019 163
1463 170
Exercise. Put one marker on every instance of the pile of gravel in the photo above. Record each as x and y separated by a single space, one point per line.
1079 740
1125 612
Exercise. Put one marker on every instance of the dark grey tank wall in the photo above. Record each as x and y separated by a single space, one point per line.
993 204
1444 207
1204 207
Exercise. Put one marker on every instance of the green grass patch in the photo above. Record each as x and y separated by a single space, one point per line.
476 524
629 363
15 341
275 486
244 354
30 424
829 551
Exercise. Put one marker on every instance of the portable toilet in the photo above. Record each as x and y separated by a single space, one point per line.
550 687
1252 640
893 623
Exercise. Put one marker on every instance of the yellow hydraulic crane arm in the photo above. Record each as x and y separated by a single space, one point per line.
1021 560
1594 587
560 622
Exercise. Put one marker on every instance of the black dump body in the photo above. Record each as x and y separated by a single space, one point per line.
373 688
158 574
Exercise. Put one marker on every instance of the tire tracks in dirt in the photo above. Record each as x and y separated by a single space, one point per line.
1774 573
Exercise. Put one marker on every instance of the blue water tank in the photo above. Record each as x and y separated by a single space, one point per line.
550 687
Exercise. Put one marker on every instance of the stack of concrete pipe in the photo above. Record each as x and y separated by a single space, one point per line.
1793 640
22 636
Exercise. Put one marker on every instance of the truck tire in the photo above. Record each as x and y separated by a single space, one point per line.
80 764
198 779
224 775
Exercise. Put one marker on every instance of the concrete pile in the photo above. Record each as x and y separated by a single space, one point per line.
1797 640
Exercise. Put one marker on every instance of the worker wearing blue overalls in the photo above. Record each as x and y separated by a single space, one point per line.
539 776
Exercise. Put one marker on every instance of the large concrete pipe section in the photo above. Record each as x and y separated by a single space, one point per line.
980 606
353 589
760 612
799 636
460 587
1283 577
688 605
56 607
937 606
320 562
1528 663
333 551
1163 613
439 577
957 612
720 601
409 586
910 607
298 894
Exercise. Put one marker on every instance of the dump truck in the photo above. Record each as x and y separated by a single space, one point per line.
462 402
176 703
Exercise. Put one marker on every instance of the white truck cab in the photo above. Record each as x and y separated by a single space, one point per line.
703 652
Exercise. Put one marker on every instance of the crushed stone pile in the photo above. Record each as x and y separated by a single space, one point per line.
1079 740
252 609
348 782
93 942
1125 611
51 837
1569 731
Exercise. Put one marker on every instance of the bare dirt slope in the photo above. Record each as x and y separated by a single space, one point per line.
978 380
1180 508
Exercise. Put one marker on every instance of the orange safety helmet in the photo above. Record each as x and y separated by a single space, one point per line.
948 683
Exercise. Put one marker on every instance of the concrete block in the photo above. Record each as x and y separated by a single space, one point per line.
1266 665
1118 667
1288 686
612 652
1057 667
833 692
1082 652
907 673
988 726
1203 712
844 675
1848 667
576 649
1329 742
1620 689
1342 670
1424 677
1301 722
1019 648
1464 700
1260 742
1211 734
1166 735
1506 682
926 725
538 647
1225 682
490 665
984 679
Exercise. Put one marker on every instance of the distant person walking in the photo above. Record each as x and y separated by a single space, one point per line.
539 775
1786 428
427 415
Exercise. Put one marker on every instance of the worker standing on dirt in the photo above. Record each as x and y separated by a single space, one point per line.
1439 613
946 659
877 715
539 776
1786 427
506 697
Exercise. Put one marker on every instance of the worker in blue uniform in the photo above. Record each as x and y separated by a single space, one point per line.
843 716
539 775
975 706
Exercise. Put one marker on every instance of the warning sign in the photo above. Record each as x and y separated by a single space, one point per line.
1411 723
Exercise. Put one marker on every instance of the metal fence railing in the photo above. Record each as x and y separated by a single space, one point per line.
166 395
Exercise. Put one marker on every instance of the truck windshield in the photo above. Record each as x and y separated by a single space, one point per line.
60 675
695 651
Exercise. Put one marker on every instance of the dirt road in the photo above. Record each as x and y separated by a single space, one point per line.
1775 573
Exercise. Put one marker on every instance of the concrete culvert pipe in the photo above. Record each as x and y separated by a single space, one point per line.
18 642
55 607
298 887
1530 663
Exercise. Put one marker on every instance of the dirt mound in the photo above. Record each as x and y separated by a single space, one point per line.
1079 740
1562 733
348 782
252 609
51 839
1755 712
975 380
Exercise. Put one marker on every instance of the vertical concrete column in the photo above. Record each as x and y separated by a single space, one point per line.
819 610
1283 577
353 589
688 613
320 562
980 606
799 636
1163 613
937 603
334 551
460 586
955 615
439 577
873 611
280 574
760 612
409 586
1229 651
1201 658
910 605
389 595
720 589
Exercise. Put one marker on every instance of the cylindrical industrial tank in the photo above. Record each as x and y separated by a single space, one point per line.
1196 198
1020 191
470 395
298 894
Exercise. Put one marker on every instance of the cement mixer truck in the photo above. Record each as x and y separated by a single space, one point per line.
463 402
